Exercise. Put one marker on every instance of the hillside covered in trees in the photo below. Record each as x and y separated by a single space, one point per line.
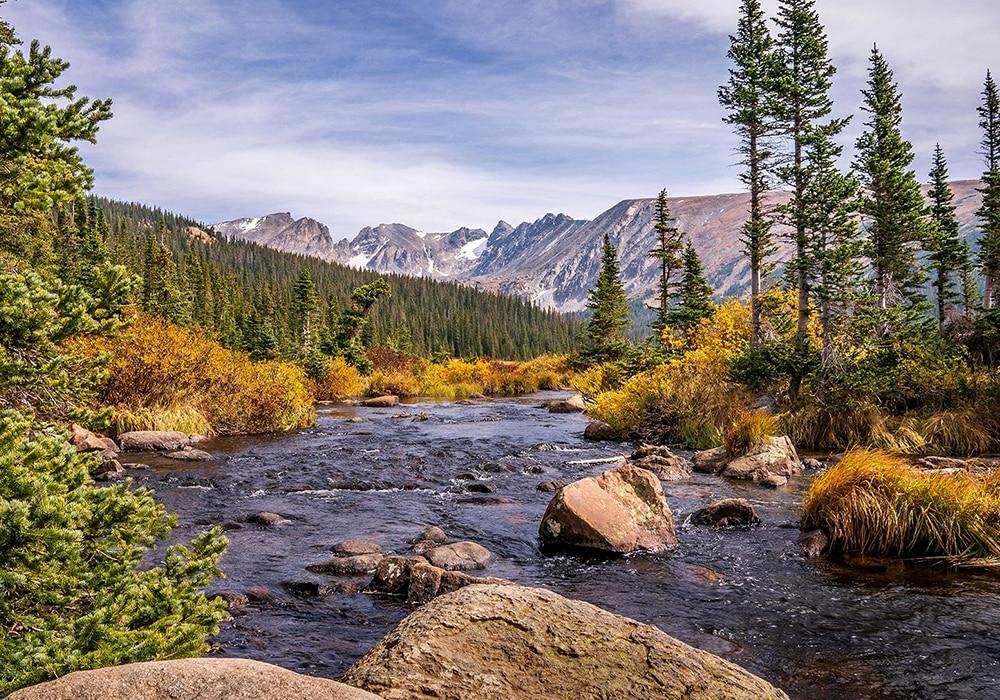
244 293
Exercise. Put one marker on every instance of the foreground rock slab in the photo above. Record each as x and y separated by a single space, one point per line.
192 679
621 510
486 642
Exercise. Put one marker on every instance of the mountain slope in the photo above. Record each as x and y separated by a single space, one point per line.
554 261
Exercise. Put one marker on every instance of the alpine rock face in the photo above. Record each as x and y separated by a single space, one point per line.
555 260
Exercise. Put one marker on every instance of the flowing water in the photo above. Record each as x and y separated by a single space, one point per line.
813 627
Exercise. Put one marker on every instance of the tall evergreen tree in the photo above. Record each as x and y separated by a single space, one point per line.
669 252
893 203
306 309
942 242
803 104
831 202
694 295
989 212
608 325
749 98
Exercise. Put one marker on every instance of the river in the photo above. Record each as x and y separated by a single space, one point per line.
813 627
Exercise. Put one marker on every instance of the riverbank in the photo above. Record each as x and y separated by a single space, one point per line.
812 627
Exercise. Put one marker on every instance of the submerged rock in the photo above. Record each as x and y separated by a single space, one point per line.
814 543
460 556
350 548
192 679
347 566
486 642
418 581
550 486
729 512
153 440
387 401
265 519
599 430
662 462
431 535
190 454
621 510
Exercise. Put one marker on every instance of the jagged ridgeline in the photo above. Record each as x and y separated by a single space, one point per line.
236 289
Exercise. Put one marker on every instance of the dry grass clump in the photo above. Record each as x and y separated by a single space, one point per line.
749 430
865 425
962 433
875 503
163 377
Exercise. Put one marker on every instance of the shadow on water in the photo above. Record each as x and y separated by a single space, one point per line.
816 628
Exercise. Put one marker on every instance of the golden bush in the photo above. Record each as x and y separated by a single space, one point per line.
161 376
341 382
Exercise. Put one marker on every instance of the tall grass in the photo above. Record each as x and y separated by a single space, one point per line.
749 430
875 503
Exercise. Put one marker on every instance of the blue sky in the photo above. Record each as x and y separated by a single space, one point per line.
441 114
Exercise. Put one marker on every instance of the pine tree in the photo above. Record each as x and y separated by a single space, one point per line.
943 244
611 317
989 212
893 203
749 98
306 308
970 286
803 105
668 251
831 202
694 294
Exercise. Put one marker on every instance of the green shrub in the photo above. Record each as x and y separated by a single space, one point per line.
74 591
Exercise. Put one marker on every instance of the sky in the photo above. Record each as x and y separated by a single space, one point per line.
440 114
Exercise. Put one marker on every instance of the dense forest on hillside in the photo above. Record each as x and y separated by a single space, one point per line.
241 291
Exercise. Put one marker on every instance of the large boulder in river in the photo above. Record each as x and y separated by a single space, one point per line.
153 440
775 457
487 642
192 679
621 510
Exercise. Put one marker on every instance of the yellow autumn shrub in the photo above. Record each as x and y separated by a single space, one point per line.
163 377
342 381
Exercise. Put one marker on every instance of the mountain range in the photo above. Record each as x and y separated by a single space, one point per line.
553 261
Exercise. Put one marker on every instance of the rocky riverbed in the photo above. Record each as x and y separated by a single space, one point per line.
812 627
